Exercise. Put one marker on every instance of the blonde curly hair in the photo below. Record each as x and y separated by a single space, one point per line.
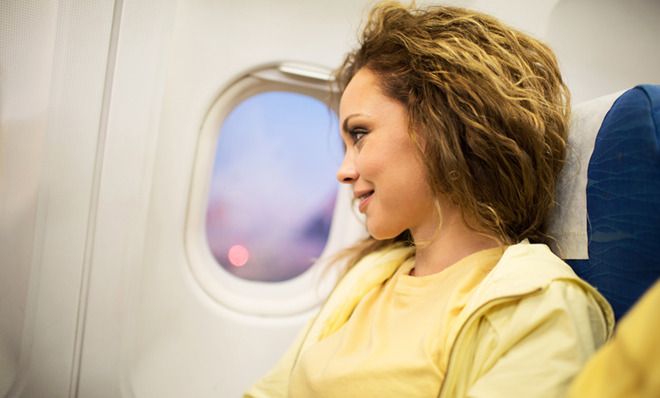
488 112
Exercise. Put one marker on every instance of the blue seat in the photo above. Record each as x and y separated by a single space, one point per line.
623 200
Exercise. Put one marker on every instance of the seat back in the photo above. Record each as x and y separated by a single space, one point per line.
607 223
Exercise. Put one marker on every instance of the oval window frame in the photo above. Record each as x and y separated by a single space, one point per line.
304 292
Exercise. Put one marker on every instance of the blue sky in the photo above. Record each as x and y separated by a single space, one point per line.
277 156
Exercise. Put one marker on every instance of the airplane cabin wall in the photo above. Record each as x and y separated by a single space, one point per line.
54 56
101 105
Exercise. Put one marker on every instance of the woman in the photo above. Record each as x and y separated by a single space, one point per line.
454 127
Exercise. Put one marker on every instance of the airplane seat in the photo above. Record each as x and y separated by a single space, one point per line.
620 193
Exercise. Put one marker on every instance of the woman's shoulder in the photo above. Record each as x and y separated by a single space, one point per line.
527 269
541 280
561 303
530 266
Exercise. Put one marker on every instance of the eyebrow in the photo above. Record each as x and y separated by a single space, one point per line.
344 125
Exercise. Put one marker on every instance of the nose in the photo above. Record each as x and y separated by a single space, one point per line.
347 174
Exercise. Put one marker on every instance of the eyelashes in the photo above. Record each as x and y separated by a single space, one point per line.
357 134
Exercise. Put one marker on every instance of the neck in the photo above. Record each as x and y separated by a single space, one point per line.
438 249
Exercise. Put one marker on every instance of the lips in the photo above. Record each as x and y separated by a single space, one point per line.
364 197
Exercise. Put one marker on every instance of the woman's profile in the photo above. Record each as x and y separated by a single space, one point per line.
455 132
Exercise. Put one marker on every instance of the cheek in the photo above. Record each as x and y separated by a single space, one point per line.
369 164
415 194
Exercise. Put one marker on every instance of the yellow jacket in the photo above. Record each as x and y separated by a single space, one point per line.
629 364
526 331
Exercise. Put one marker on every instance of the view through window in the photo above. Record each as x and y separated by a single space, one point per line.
273 189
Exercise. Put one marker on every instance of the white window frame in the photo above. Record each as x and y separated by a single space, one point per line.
294 296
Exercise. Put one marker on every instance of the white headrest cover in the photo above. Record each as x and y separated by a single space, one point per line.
568 221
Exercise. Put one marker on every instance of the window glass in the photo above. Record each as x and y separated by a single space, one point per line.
273 189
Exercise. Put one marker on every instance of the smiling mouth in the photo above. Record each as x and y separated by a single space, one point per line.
364 201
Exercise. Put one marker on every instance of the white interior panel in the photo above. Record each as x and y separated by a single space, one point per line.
605 46
26 54
54 58
141 37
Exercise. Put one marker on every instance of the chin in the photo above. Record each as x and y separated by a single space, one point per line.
380 233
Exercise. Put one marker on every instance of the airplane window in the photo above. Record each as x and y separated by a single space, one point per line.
273 186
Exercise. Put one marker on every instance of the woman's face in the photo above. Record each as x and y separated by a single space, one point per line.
381 162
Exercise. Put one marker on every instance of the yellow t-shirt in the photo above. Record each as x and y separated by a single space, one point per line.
391 345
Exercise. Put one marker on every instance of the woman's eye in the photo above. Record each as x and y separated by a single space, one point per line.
357 134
